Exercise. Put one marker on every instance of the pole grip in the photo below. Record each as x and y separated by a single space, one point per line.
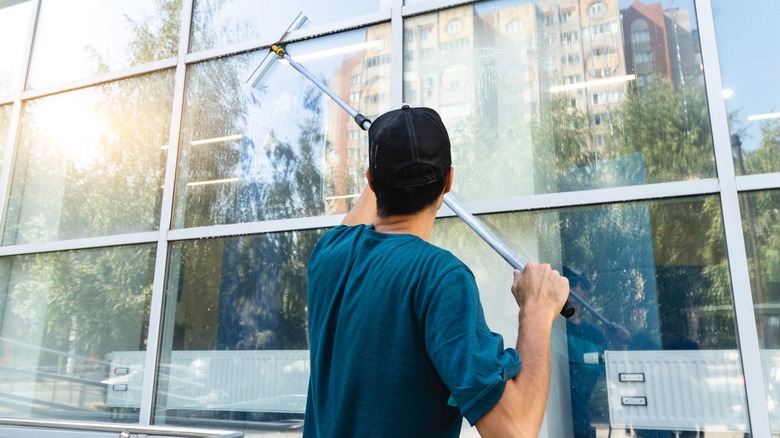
567 311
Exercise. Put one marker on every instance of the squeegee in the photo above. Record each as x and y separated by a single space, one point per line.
365 124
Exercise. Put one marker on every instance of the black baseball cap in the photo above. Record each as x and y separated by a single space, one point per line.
408 137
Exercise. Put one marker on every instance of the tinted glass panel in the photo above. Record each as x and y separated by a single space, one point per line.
281 148
234 340
91 162
746 33
219 22
65 319
657 276
81 38
544 97
761 223
14 24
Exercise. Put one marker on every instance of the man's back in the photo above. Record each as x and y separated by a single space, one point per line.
391 319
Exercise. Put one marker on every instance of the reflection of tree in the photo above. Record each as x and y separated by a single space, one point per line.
121 190
266 308
205 36
671 129
663 136
765 159
212 108
98 300
157 36
560 136
761 225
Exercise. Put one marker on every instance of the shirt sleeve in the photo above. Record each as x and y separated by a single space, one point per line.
470 359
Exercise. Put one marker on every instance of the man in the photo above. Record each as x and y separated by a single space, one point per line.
398 340
586 345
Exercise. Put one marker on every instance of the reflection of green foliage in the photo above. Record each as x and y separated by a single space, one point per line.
761 226
296 190
99 299
156 37
297 186
477 145
766 158
121 190
206 36
560 134
671 129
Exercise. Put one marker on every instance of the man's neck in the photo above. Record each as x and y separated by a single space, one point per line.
419 224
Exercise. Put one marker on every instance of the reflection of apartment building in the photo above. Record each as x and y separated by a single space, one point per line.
440 65
583 58
363 81
498 64
660 42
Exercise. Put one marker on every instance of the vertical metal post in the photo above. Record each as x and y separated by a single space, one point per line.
154 346
732 223
12 139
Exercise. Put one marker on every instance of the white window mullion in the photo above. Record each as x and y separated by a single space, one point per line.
153 347
9 155
732 223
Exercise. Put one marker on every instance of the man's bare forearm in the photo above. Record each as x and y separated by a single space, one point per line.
540 294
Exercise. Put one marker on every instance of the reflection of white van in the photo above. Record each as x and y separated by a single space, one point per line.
250 381
685 390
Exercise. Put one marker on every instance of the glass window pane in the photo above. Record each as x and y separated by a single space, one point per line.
761 224
281 149
14 25
659 272
66 320
746 32
81 38
5 122
218 23
234 334
543 97
91 162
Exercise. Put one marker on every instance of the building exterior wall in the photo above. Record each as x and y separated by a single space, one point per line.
161 195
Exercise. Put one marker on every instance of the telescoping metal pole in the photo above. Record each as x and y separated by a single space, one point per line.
449 200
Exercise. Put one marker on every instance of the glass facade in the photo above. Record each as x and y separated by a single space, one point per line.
760 222
84 167
235 339
14 22
161 204
568 93
65 317
275 147
80 38
749 87
218 23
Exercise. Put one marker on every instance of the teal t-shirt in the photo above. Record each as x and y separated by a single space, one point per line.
398 340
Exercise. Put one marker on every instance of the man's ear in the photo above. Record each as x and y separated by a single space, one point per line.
448 180
370 180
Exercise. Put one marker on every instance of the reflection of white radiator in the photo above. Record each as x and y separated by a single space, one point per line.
684 390
252 381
